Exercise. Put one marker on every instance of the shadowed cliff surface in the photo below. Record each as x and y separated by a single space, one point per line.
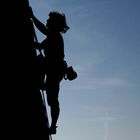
23 113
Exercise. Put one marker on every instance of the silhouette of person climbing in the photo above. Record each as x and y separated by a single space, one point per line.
53 46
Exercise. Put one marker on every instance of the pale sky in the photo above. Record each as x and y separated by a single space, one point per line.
103 46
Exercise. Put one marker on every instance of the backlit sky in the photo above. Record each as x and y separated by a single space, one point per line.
103 46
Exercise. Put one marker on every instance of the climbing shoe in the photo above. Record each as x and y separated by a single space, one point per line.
52 130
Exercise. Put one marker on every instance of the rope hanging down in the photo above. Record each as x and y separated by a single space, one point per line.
41 91
44 102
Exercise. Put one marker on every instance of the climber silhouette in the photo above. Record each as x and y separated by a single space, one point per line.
53 46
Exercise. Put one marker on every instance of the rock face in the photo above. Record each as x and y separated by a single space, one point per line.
23 113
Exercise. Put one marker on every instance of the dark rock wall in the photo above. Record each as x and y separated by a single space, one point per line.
23 114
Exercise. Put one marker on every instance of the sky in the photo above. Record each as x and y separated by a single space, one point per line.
103 46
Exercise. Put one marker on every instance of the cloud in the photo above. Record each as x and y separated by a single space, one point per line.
110 82
100 85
